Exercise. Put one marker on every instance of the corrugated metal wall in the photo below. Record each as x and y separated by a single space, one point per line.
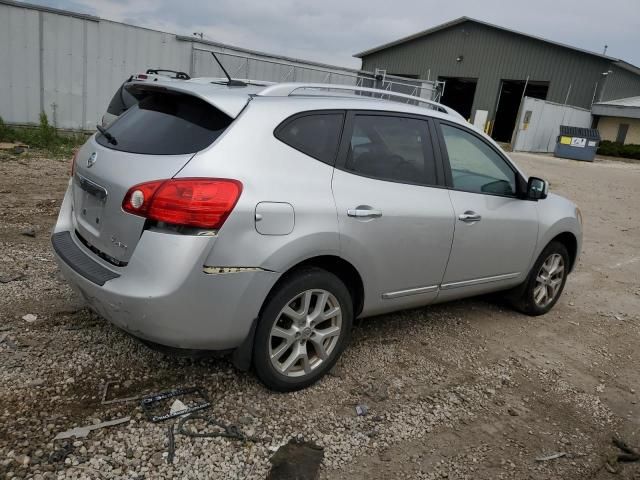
620 83
260 67
19 63
492 55
70 65
540 133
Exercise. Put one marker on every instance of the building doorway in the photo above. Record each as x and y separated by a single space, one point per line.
509 98
458 94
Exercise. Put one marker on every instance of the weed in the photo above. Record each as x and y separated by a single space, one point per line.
44 137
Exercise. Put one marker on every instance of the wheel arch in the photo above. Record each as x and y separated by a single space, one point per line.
336 265
570 241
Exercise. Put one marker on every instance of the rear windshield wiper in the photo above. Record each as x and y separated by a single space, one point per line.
110 138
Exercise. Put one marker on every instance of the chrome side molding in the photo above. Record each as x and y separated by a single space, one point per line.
448 286
478 281
410 291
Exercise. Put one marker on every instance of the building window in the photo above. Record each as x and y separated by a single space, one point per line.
623 128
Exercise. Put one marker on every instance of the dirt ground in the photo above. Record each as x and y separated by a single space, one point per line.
467 390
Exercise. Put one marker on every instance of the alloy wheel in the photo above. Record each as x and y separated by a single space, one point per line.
549 280
305 333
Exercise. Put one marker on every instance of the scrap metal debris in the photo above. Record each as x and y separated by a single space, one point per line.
362 410
29 232
12 146
11 277
296 460
61 452
69 311
628 455
114 400
553 456
82 432
177 406
172 444
151 403
221 429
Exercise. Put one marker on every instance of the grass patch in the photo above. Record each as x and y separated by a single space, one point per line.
44 137
616 149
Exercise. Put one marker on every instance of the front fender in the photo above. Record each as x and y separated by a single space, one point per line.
557 215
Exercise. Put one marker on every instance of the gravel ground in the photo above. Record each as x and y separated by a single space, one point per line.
467 390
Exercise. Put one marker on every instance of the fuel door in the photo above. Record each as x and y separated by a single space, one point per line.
274 218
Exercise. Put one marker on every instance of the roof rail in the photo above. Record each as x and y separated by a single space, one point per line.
287 90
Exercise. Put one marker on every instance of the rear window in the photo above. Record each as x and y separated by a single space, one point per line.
166 124
317 135
121 102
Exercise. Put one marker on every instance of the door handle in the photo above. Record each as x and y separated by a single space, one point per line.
364 213
469 217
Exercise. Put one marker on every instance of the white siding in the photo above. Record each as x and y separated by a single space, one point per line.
19 64
70 65
63 62
541 132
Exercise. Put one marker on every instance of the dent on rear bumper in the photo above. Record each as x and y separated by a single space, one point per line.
165 296
168 299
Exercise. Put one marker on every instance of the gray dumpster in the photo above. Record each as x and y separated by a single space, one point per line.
577 143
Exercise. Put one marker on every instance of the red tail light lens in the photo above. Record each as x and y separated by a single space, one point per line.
193 202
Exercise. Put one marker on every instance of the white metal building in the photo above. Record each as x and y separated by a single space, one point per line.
69 65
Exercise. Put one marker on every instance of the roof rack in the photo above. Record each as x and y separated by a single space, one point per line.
288 89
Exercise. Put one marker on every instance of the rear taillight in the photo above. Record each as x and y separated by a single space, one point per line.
192 202
73 161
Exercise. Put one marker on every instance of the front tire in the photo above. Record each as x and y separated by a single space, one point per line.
303 328
545 282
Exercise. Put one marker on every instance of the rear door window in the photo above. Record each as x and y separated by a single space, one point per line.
391 148
166 124
315 134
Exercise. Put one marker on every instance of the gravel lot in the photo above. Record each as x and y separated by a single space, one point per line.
467 390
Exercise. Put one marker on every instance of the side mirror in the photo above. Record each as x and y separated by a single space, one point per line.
537 188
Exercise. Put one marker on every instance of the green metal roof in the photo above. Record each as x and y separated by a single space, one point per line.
461 20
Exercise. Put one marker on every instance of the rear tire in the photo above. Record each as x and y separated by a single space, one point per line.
545 281
303 328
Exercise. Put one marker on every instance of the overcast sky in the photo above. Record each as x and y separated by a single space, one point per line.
331 31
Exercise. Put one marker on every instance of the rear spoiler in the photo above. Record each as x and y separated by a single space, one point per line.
176 74
231 103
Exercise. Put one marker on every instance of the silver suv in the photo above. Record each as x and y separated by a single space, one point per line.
262 221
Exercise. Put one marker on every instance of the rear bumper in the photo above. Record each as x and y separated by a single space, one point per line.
163 295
